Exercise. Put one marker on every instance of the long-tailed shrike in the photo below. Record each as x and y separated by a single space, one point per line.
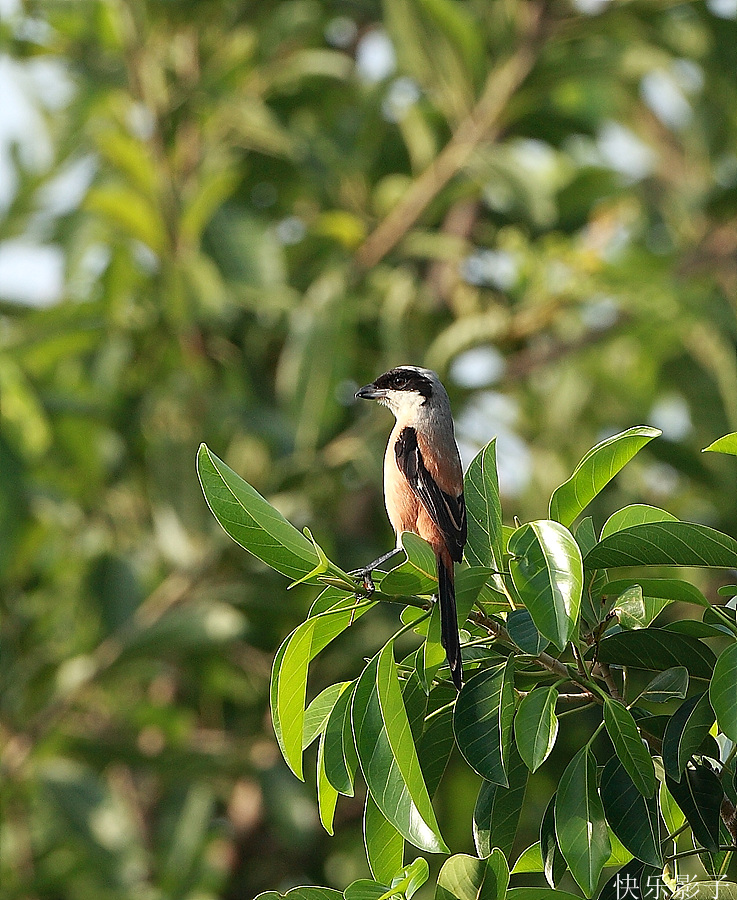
423 483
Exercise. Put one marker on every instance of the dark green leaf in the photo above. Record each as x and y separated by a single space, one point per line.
596 470
632 817
699 795
553 863
636 878
435 745
686 729
654 648
668 685
664 544
536 726
723 693
547 572
481 491
661 588
388 756
341 760
497 811
464 877
522 630
529 893
482 721
628 745
580 826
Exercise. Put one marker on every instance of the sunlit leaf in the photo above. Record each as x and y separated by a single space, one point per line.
722 692
632 753
536 726
464 877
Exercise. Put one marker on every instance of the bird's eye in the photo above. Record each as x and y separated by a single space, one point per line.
400 381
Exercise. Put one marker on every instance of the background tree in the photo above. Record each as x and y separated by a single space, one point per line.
258 206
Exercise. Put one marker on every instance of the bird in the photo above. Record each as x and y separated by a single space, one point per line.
423 484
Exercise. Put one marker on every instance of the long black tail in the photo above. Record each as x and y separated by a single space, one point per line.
449 637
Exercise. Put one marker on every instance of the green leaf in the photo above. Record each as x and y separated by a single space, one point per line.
668 685
384 844
670 589
407 882
482 721
699 795
725 444
536 726
596 470
471 584
464 877
522 630
484 511
547 572
686 729
635 879
417 575
655 648
435 745
304 892
632 817
528 893
136 215
706 890
636 514
252 521
723 694
364 889
388 756
580 826
630 608
318 712
327 796
341 760
497 811
289 691
664 544
431 654
669 809
552 862
628 745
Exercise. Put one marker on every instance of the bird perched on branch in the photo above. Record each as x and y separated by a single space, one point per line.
423 483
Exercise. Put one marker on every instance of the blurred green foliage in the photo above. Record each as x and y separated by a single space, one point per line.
261 205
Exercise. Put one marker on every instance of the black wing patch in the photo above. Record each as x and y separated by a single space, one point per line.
449 513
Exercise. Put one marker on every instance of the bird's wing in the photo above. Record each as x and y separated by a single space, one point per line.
448 512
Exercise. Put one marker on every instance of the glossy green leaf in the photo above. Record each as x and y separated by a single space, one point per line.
327 796
664 544
580 825
536 726
670 589
304 892
464 877
671 684
388 756
252 521
547 572
636 514
686 729
411 878
435 745
497 811
596 470
632 817
654 648
431 654
484 511
341 760
318 712
699 795
482 720
522 630
725 444
289 691
723 692
384 844
417 575
552 861
364 889
471 582
632 753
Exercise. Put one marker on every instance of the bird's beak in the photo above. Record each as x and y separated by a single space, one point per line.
370 392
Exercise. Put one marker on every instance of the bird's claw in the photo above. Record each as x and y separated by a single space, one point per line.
366 582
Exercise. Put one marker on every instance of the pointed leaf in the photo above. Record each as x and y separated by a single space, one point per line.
388 756
484 511
633 754
668 685
664 544
547 572
384 844
465 877
685 731
596 470
410 879
552 862
655 648
536 726
289 691
327 796
723 692
497 811
632 817
580 826
482 720
726 444
636 514
318 712
341 760
699 794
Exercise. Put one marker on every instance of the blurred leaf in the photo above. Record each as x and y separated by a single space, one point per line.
128 210
547 572
596 470
482 721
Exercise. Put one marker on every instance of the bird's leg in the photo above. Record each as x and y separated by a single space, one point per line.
364 573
